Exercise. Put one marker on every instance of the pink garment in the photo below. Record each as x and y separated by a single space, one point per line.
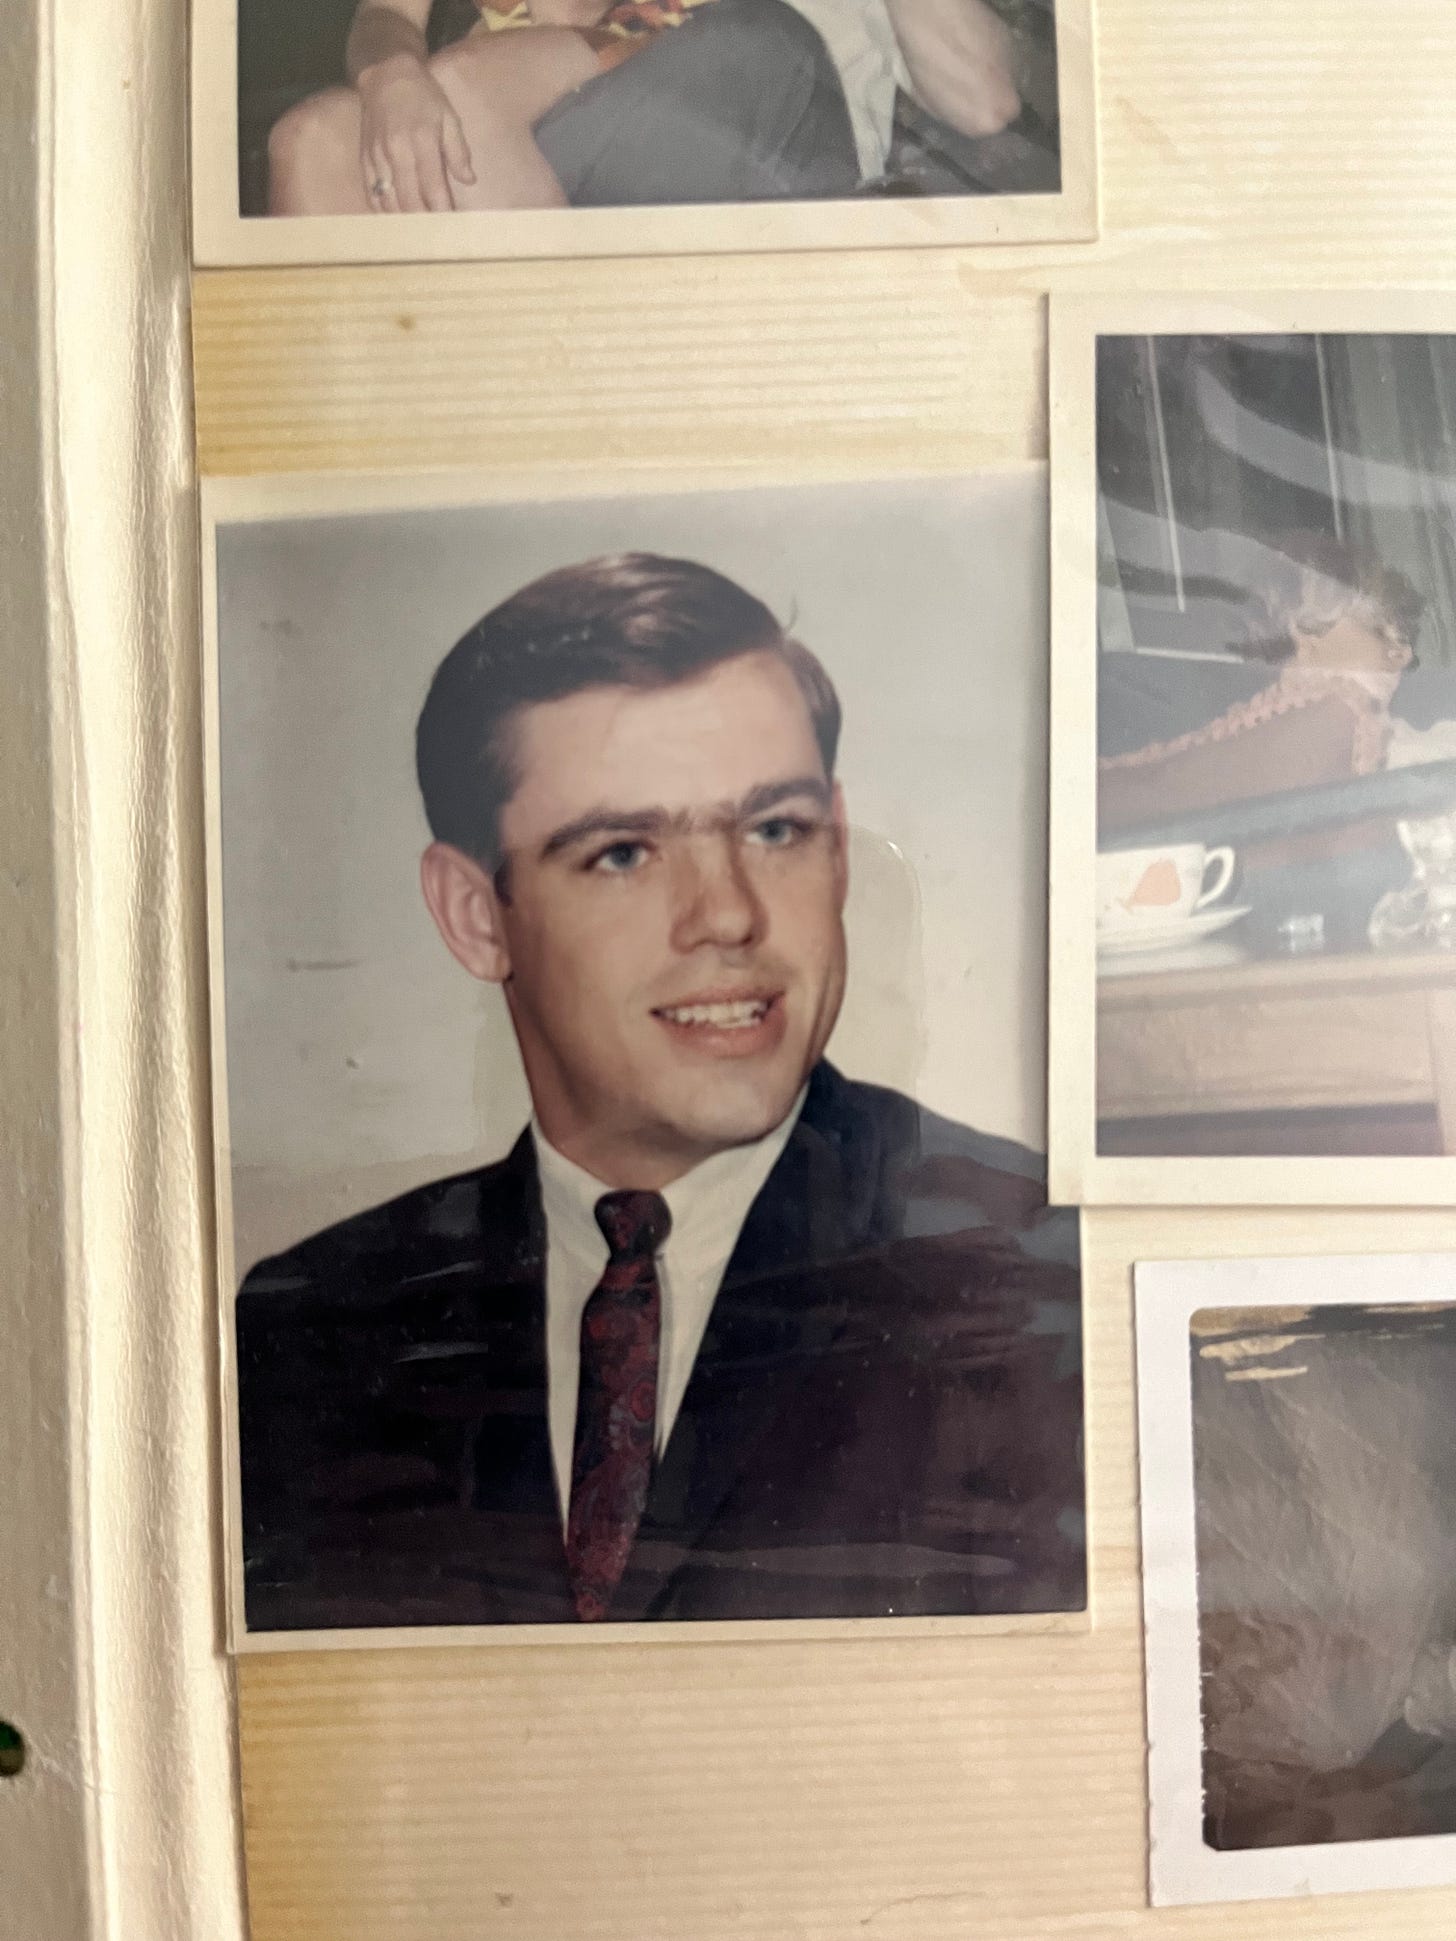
1368 697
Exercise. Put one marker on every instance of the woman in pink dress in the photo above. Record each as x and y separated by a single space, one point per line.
1337 629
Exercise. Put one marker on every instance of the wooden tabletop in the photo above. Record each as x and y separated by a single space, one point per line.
1283 976
1351 1032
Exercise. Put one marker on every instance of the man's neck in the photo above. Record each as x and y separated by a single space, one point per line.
632 1168
625 1171
653 1172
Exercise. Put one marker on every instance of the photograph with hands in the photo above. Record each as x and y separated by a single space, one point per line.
686 118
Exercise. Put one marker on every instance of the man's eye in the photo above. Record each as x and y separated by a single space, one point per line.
618 858
780 831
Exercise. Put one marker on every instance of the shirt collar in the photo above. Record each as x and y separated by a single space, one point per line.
708 1205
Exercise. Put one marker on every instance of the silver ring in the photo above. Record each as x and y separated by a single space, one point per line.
379 188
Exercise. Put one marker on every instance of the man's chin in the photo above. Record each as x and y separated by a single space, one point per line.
719 1116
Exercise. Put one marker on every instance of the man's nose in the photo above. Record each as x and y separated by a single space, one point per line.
716 899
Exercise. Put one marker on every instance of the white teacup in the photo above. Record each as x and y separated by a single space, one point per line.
1140 889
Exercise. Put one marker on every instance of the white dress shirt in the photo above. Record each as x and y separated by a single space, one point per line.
708 1208
862 45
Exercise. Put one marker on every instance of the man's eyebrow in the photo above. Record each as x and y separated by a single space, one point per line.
602 822
654 822
768 795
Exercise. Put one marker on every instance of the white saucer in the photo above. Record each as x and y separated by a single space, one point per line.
1169 936
1217 953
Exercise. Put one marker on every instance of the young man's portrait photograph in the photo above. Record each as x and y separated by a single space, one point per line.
629 942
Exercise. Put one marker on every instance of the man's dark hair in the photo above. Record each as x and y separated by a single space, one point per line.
632 620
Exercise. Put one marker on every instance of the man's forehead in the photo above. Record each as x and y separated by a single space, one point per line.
706 740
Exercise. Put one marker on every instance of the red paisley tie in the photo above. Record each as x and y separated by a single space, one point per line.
616 1400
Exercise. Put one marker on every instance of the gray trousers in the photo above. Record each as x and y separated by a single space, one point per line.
741 103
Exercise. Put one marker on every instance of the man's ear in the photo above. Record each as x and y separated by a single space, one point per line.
466 906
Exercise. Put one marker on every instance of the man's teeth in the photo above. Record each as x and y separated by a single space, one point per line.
726 1017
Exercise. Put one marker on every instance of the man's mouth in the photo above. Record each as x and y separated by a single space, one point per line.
721 1014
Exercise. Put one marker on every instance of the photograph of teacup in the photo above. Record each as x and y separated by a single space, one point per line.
1160 887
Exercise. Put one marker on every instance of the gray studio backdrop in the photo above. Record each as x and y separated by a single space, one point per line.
362 1060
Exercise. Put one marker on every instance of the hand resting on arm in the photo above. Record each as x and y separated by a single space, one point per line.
410 138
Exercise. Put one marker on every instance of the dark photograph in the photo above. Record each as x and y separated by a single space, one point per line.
1325 1494
629 1008
1276 736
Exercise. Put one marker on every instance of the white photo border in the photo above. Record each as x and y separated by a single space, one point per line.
1182 1869
1078 1174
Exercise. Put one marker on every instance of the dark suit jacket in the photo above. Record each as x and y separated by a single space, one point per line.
884 1417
